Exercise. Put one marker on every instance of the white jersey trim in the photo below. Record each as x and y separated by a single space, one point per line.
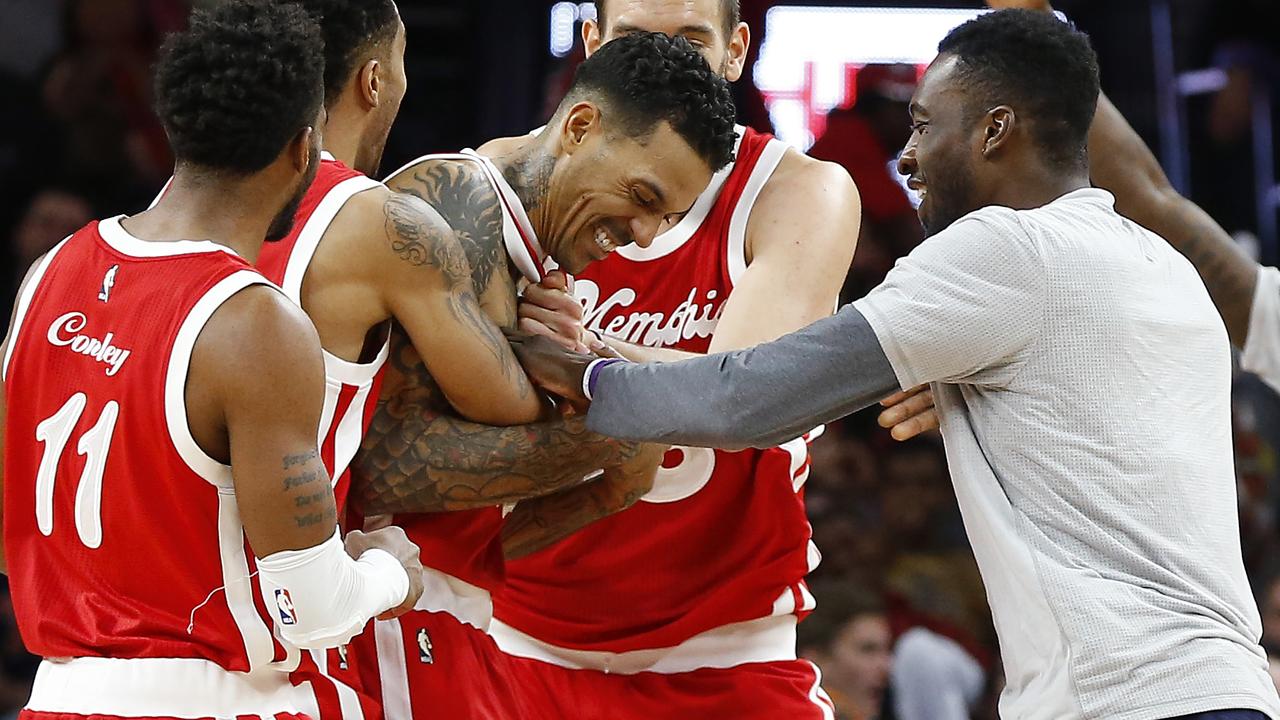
158 687
767 639
175 384
675 238
388 637
304 249
119 239
237 584
24 303
760 174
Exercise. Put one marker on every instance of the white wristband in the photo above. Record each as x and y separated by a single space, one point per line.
320 597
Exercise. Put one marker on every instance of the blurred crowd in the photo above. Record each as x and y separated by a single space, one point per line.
902 629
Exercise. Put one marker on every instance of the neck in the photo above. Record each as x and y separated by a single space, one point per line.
343 131
235 213
1036 185
527 168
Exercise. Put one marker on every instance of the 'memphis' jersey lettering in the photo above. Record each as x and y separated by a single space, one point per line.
692 318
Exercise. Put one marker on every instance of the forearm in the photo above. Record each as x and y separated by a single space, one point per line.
416 460
541 522
758 397
1121 163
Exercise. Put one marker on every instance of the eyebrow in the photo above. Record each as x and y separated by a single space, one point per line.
701 29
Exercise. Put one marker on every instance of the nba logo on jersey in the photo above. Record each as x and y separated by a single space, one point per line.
285 604
108 282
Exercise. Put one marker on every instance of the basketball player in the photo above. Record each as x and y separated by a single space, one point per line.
716 555
639 136
360 256
191 387
1108 542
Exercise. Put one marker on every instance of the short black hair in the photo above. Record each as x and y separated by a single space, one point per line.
239 83
1030 59
730 14
644 78
351 28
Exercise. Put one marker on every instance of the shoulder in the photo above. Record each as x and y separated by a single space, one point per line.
439 180
804 192
803 184
258 316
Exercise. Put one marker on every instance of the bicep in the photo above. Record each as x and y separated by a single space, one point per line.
803 237
264 358
431 294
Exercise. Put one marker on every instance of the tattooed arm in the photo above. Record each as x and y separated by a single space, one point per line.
418 456
254 392
540 522
425 280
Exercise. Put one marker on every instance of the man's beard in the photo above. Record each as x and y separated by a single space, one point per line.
282 224
949 198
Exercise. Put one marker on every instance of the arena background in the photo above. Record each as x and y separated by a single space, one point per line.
1197 78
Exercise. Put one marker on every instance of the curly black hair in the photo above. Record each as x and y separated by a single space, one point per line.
351 28
730 14
645 78
241 82
1032 60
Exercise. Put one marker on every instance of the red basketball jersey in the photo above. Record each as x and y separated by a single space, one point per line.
350 398
723 536
123 537
351 389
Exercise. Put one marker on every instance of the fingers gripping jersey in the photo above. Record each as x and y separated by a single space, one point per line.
722 537
123 537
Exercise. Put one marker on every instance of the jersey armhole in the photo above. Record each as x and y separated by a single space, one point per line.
768 161
175 382
304 249
24 304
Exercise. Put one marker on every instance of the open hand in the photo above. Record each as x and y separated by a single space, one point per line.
909 413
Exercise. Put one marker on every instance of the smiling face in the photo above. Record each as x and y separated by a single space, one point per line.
701 22
940 159
615 190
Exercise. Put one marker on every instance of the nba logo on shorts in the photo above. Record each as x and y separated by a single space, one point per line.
424 648
285 604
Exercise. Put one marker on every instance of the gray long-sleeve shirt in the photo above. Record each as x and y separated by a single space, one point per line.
759 397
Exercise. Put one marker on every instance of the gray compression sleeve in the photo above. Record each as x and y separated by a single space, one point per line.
759 397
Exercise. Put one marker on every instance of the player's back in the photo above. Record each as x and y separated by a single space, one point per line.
123 536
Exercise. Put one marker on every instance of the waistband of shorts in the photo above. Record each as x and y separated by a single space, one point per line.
158 687
442 592
767 639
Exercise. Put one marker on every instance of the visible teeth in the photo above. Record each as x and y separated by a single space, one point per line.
602 239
